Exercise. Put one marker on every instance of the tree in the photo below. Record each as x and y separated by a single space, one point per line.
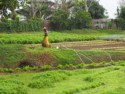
120 21
96 10
10 5
59 19
122 13
121 10
37 9
92 6
70 14
82 19
88 4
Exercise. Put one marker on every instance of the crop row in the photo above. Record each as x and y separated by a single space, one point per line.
37 37
66 66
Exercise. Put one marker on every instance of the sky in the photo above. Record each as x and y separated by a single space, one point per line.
110 6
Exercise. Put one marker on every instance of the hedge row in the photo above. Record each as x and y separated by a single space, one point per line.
19 26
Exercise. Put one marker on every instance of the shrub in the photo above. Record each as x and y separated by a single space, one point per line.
89 79
71 65
18 69
46 67
91 65
26 68
102 63
12 86
112 63
35 68
48 79
10 70
60 66
41 84
80 65
116 68
1 69
120 63
66 66
5 69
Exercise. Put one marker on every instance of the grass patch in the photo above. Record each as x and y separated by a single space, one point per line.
11 54
118 90
12 86
84 81
24 55
48 79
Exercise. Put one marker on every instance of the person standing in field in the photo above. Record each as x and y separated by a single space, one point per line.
45 42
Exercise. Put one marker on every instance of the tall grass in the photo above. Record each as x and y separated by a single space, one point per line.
24 26
11 54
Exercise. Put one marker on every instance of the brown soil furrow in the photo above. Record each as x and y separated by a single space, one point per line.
87 45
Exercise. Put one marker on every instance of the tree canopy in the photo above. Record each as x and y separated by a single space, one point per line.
6 6
120 21
96 10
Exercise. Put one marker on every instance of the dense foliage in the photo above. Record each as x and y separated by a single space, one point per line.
120 21
19 26
82 19
60 20
12 86
96 10
63 15
10 5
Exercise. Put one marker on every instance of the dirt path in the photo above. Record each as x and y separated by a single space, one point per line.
88 45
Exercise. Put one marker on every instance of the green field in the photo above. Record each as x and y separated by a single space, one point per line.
75 35
109 80
26 47
28 68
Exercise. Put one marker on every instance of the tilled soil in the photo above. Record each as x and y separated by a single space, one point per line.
88 45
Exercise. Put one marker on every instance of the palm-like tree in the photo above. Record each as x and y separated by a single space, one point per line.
36 9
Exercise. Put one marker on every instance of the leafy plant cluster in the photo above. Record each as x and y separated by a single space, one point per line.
72 66
12 86
66 66
36 38
48 79
42 68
